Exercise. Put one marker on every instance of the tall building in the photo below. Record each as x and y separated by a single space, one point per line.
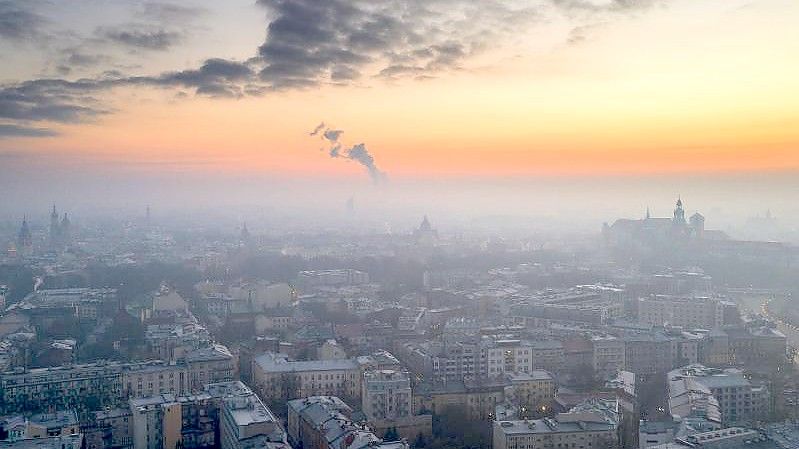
386 395
156 421
245 422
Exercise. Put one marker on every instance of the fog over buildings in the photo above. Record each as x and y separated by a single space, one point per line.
521 224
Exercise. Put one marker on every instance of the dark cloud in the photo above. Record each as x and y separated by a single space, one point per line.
18 22
76 59
338 41
61 101
142 37
51 100
308 43
215 78
10 130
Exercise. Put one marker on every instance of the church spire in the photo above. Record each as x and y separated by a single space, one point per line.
679 212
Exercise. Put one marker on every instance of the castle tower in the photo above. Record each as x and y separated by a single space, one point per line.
679 214
697 221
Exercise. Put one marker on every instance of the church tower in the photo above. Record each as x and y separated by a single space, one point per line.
64 229
24 239
55 228
679 214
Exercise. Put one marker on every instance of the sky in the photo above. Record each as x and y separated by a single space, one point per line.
404 90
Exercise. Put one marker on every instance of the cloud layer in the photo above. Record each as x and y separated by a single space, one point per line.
308 43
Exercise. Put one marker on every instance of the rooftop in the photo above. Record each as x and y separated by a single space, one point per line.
273 362
549 426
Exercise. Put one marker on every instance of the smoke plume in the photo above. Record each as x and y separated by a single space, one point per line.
357 153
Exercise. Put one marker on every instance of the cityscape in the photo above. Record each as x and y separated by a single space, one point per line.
129 336
399 224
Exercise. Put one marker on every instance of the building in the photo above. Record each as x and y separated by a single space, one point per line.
83 303
484 357
387 402
61 387
59 442
155 378
533 390
386 395
110 429
648 354
156 421
331 278
738 399
480 397
299 411
730 438
756 347
261 296
58 423
211 364
325 423
103 384
24 240
331 350
683 311
274 375
608 356
53 424
225 414
552 433
172 341
245 422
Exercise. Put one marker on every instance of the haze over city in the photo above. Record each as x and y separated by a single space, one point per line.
404 224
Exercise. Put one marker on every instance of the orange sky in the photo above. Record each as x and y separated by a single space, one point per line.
674 90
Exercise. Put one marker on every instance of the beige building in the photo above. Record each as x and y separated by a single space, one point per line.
274 375
157 422
608 356
151 379
207 365
536 389
57 423
688 312
478 398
